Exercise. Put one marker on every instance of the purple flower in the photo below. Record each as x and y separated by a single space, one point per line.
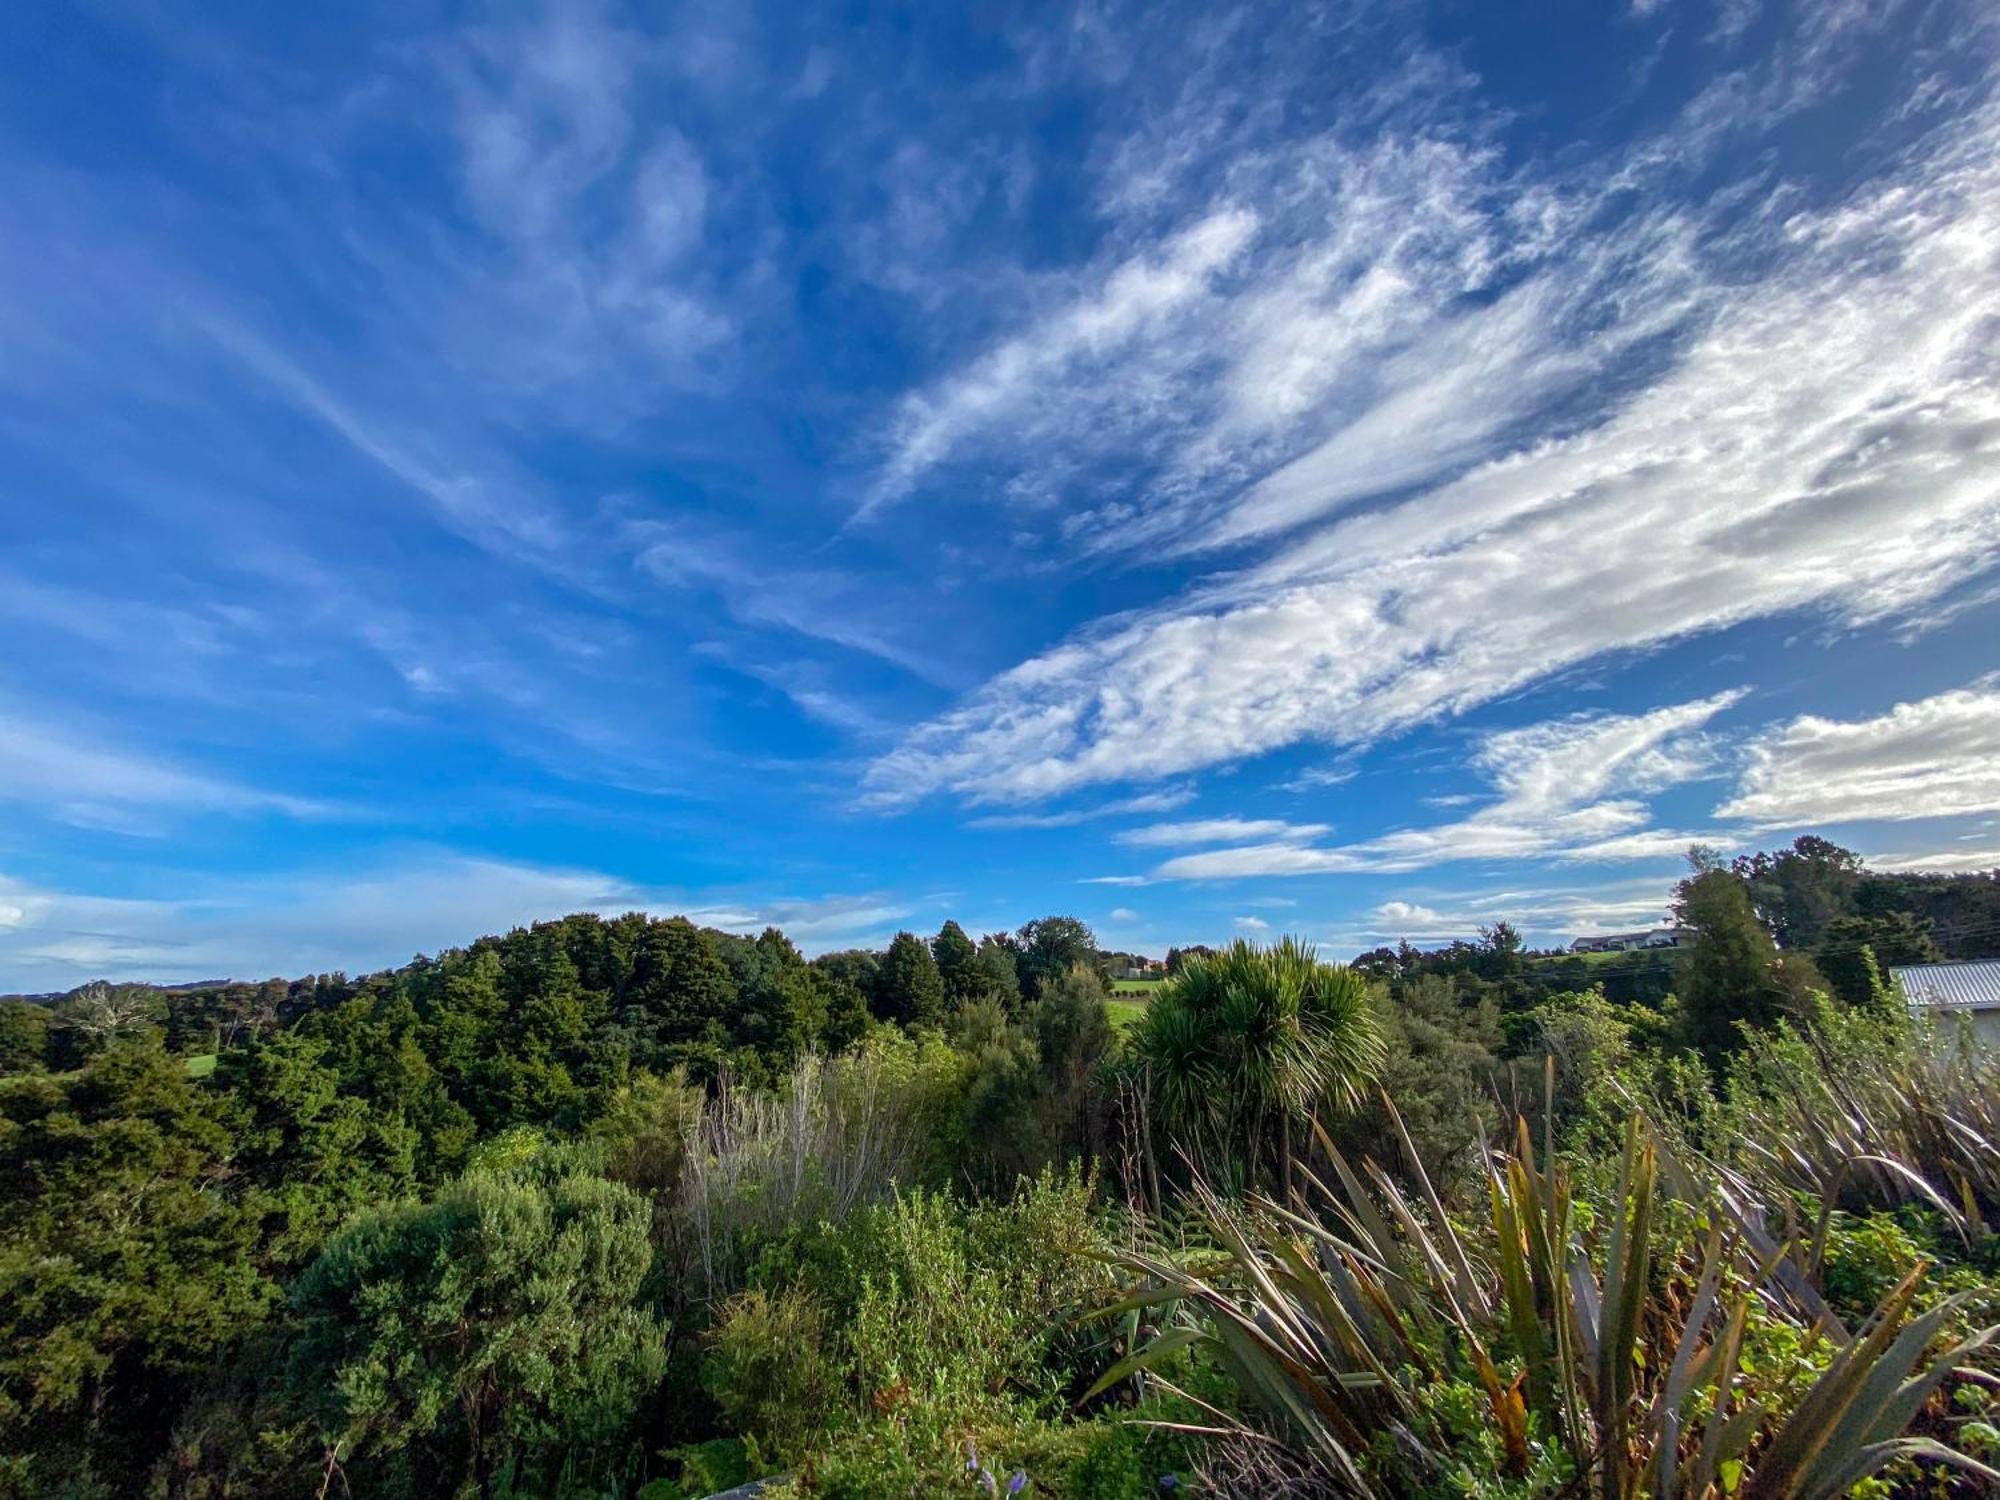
1170 1481
971 1456
1018 1483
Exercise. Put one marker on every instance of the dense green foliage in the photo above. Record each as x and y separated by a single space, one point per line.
609 1207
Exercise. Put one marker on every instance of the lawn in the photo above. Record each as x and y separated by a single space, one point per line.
1124 1013
201 1065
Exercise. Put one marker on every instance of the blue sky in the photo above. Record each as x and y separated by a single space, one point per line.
1357 470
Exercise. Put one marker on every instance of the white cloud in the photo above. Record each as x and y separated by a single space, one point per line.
1135 303
1933 758
1123 914
597 212
1114 880
1551 913
1820 436
1408 914
839 608
1252 924
1941 861
1318 778
1217 831
1145 802
1570 789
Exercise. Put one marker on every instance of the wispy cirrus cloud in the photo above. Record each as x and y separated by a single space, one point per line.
1973 858
1933 758
1216 831
1165 800
1822 440
1135 305
1447 392
97 781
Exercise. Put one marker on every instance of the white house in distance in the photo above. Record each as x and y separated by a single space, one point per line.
1626 942
1964 989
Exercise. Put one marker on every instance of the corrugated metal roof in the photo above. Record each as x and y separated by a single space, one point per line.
1973 986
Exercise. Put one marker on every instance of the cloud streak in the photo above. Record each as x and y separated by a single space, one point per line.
1934 758
1571 789
1828 441
96 784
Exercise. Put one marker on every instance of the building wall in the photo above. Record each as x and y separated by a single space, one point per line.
1985 1022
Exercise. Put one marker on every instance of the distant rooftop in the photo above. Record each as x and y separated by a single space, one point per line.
1966 986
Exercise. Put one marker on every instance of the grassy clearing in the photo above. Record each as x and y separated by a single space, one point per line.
1124 1013
1621 956
201 1065
1135 986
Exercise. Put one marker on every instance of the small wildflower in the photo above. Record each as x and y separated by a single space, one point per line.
1018 1483
1170 1481
971 1456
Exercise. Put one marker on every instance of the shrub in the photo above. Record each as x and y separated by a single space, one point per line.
776 1371
919 1315
701 1469
494 1330
1439 1067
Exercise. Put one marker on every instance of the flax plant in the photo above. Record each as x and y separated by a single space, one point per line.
1615 1353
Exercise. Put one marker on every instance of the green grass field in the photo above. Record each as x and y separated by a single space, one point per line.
201 1065
1633 956
1124 1013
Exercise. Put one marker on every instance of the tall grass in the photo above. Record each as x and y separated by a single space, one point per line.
837 1134
728 1171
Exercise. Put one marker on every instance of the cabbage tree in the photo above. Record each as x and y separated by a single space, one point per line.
1242 1045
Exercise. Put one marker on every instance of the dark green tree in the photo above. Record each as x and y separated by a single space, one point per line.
958 964
310 1152
1177 957
1073 1032
909 989
127 1265
1732 975
1501 960
24 1036
849 979
1798 892
680 991
493 1338
1858 952
1049 948
782 1012
999 967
